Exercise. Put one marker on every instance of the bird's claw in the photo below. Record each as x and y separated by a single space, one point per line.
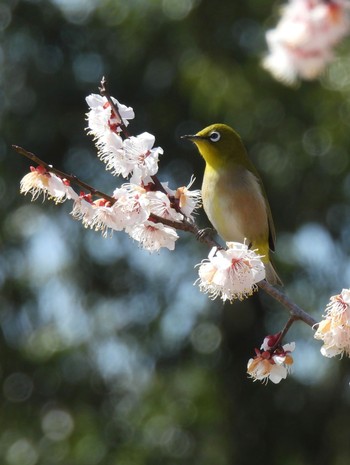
206 233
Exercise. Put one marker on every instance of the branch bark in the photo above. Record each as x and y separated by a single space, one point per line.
294 310
71 178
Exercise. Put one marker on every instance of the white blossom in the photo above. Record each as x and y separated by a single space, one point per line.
40 181
142 157
153 236
189 201
106 218
133 204
271 364
101 118
334 329
232 273
104 125
159 204
60 190
302 43
83 209
99 215
111 152
186 200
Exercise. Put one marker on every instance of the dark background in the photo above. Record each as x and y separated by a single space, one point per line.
108 354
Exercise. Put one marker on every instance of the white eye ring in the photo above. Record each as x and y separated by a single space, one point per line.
214 136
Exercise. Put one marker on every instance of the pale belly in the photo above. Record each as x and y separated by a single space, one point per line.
236 207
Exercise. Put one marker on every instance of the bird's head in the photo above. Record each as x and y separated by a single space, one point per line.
218 144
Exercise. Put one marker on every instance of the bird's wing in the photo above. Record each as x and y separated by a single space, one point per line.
272 232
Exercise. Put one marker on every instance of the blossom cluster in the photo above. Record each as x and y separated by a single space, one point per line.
133 156
139 205
334 329
272 362
232 273
302 43
40 181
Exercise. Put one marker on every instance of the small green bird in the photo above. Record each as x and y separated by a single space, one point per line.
233 195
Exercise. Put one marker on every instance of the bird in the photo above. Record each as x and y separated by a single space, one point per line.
233 194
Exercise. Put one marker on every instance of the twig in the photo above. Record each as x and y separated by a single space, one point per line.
296 313
61 174
104 92
184 225
282 333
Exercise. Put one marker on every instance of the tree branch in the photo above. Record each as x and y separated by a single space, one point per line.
296 313
185 225
104 92
282 333
61 174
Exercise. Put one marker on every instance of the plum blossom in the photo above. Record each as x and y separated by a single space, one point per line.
135 156
334 329
40 181
153 236
83 209
104 125
106 217
232 273
188 201
101 118
159 204
142 157
111 152
130 207
271 363
302 43
132 203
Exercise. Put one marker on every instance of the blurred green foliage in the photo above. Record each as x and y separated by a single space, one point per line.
109 355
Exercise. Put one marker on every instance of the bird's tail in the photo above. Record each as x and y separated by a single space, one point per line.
271 275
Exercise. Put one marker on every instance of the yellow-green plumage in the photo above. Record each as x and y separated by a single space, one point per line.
233 195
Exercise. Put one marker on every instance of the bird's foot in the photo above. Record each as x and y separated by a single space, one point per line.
206 233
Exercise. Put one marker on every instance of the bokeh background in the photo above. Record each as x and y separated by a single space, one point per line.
108 354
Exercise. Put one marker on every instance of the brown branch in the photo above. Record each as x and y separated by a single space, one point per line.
181 225
188 226
184 225
61 174
296 313
286 328
104 92
282 333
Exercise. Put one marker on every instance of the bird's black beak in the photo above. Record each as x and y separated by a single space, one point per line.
192 137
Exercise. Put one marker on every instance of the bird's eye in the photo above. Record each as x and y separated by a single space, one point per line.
215 136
